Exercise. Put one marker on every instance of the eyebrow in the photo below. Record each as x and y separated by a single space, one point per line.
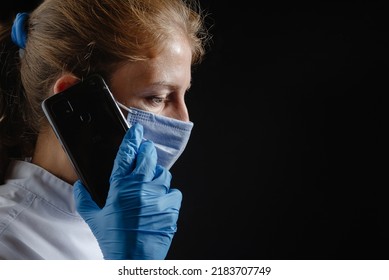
170 86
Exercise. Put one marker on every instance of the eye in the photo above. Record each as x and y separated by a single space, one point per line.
156 99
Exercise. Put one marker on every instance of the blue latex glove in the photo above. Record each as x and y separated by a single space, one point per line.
140 216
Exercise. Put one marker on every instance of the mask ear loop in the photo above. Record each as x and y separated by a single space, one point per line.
128 110
125 108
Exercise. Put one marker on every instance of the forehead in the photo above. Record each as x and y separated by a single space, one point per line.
171 65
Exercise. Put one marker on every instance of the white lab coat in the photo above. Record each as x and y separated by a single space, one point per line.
38 219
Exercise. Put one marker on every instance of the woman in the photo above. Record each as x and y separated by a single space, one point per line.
144 50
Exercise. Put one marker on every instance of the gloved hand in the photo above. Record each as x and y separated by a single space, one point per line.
140 216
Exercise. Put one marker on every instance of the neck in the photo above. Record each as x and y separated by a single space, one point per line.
50 155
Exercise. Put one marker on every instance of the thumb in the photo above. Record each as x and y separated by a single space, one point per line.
84 202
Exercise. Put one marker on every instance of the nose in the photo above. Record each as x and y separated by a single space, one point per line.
178 111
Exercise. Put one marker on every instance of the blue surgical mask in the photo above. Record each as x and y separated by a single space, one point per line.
169 135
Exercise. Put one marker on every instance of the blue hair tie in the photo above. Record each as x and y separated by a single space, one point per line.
19 33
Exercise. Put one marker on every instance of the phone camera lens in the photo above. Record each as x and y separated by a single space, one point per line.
85 118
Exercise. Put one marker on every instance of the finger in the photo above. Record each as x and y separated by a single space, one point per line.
128 149
174 199
84 202
146 162
169 207
160 184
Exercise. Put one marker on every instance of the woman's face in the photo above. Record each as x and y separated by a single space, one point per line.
159 84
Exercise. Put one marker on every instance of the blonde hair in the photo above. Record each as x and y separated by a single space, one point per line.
83 37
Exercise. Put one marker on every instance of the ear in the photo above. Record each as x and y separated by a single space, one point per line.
65 81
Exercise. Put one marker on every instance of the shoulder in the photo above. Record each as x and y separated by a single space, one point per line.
13 193
13 200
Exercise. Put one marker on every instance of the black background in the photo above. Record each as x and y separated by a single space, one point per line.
286 158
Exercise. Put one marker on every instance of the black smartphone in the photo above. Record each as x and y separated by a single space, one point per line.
90 126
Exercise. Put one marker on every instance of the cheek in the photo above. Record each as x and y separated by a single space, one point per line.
118 95
127 99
